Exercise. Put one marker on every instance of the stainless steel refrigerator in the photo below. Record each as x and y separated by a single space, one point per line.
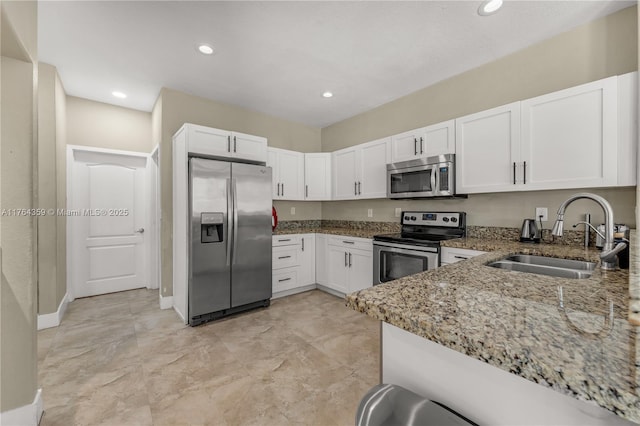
230 238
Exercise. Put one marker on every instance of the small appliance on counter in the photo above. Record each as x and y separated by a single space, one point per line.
530 233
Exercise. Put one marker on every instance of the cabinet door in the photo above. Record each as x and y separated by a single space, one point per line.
345 185
208 141
338 267
291 171
570 137
488 149
627 128
373 159
361 270
307 270
249 147
439 139
407 146
272 161
317 176
321 259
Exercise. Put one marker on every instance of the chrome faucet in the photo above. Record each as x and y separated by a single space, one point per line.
609 252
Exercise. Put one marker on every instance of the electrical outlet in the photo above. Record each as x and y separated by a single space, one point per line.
398 211
542 211
369 212
293 211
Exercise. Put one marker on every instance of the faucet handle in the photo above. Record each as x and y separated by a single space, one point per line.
609 256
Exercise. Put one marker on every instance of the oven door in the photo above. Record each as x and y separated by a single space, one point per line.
392 261
412 182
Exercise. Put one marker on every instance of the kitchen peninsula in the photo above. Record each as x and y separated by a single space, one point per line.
463 333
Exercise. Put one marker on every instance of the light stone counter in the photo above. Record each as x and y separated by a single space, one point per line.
514 321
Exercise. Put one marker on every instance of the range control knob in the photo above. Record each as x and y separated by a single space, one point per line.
445 219
454 220
406 218
413 218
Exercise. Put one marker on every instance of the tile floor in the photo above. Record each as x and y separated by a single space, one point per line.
118 359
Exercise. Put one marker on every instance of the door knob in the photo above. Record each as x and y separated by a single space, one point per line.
140 231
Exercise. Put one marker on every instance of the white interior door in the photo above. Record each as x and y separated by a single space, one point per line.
106 221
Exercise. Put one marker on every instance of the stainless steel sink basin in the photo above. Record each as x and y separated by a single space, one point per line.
563 268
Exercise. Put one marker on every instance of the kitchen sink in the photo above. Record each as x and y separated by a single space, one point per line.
553 266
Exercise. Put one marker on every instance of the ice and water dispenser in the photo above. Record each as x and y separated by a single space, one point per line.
211 224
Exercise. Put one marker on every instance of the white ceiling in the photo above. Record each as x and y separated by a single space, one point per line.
279 57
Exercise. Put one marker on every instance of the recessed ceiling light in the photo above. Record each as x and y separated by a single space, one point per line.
205 49
327 94
119 94
489 7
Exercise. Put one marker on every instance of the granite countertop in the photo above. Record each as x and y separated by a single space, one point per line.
586 349
349 232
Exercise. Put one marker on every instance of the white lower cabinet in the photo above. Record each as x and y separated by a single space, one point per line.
307 269
293 263
452 255
350 264
322 274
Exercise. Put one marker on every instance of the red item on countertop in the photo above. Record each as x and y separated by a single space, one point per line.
274 218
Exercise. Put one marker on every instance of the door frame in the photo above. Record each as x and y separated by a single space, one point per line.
154 218
70 205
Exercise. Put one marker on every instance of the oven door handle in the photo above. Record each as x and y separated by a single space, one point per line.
405 247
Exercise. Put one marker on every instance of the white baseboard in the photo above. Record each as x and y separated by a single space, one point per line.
27 415
55 318
329 290
293 291
166 302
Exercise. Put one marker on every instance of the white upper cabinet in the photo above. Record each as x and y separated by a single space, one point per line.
360 171
287 174
427 141
317 176
225 144
570 137
488 150
581 137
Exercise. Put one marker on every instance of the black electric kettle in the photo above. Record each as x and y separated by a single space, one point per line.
530 233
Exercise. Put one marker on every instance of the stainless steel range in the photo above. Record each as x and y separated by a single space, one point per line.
417 247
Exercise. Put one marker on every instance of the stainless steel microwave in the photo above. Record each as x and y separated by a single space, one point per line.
422 178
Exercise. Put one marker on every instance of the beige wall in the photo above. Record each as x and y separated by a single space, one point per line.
51 189
608 46
101 125
177 108
18 134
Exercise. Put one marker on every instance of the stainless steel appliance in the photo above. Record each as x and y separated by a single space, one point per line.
417 247
230 238
422 178
529 233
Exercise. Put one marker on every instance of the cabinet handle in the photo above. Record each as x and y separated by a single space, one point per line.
349 242
278 189
282 241
303 244
284 257
415 146
306 191
355 188
234 144
228 143
349 260
282 188
359 188
524 174
460 257
345 259
284 279
514 172
421 145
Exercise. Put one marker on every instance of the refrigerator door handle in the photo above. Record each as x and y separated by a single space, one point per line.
229 224
235 218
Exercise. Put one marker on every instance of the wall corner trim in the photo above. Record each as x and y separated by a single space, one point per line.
166 302
55 318
28 415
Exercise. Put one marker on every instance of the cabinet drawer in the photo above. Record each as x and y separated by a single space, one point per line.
351 242
285 256
285 240
285 280
453 255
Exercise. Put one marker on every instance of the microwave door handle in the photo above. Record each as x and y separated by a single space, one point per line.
434 180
